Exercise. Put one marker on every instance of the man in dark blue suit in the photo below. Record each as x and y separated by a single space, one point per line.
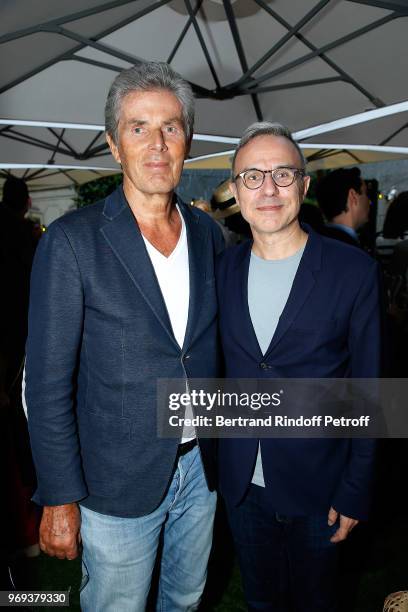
342 197
123 293
293 304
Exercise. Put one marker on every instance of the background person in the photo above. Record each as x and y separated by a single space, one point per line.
396 218
342 197
19 516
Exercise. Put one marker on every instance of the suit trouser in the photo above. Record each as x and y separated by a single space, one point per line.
286 563
119 554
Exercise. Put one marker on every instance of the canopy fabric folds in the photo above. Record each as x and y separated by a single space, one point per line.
307 64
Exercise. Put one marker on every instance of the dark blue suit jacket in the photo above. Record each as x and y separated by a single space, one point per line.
99 338
330 327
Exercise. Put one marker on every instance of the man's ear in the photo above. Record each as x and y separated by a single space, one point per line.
188 147
113 147
233 189
352 199
306 184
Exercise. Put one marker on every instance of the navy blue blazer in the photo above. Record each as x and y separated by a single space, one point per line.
330 327
99 338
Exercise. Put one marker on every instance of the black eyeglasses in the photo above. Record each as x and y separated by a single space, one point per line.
282 177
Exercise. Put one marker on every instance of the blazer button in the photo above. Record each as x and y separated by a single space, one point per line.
264 366
185 357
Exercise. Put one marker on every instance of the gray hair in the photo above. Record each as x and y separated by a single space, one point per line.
148 76
266 128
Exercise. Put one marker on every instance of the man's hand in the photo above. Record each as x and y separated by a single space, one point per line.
59 531
346 525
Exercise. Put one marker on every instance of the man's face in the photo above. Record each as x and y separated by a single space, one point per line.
363 205
269 209
151 141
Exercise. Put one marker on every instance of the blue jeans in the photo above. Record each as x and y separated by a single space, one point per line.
287 563
119 554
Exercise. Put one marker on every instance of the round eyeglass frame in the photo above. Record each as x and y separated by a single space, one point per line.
296 172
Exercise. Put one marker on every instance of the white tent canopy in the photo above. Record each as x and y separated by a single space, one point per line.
40 177
307 64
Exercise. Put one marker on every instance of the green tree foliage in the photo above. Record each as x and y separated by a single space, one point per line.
91 192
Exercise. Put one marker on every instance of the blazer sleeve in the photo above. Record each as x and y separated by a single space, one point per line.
366 327
218 238
55 331
353 495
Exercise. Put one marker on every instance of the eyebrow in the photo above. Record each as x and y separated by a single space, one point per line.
144 122
174 120
288 166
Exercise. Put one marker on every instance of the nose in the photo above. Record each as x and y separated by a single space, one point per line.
269 186
157 141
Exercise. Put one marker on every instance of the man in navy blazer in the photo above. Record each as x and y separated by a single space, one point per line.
123 293
342 197
293 304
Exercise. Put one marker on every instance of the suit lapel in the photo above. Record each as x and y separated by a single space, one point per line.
250 341
303 284
197 239
124 237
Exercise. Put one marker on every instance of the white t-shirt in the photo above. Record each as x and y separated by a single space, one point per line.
174 280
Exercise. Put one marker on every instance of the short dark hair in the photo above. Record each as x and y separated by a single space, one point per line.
332 190
148 76
15 193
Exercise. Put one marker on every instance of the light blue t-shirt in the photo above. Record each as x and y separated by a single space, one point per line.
269 285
